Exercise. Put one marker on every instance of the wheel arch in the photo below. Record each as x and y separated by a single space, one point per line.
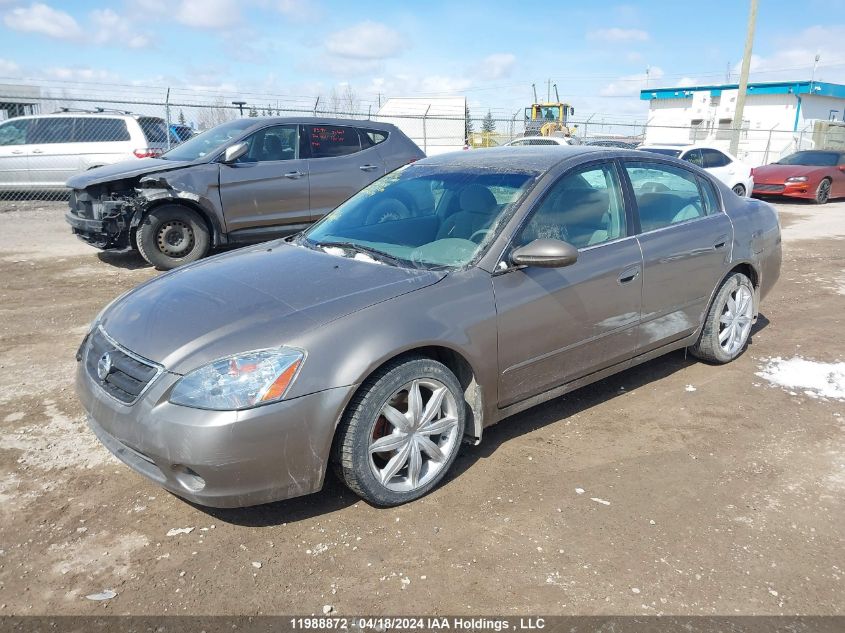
210 221
747 269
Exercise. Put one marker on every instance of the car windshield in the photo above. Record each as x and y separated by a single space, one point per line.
422 216
210 141
810 159
662 150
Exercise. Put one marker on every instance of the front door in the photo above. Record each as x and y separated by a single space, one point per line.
338 166
267 186
559 324
686 242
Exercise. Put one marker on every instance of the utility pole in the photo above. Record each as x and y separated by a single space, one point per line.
813 78
647 73
743 78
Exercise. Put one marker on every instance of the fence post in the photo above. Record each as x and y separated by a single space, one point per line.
316 103
167 114
425 133
768 146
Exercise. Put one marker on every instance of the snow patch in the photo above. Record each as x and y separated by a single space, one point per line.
813 378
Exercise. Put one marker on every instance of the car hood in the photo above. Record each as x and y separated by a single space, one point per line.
778 173
259 297
123 169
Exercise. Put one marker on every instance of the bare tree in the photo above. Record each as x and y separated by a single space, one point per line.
214 114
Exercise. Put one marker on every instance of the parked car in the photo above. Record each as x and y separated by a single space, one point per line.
541 140
244 181
378 347
816 175
726 167
41 152
181 133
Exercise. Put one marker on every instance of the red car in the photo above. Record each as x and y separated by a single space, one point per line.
817 175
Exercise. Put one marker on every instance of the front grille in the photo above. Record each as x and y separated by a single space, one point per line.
768 188
128 375
80 204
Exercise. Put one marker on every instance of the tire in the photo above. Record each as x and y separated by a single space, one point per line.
739 189
822 192
172 235
386 477
737 290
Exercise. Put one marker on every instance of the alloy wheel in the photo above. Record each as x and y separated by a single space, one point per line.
823 193
414 435
735 322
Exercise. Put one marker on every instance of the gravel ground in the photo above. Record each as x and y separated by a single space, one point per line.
676 487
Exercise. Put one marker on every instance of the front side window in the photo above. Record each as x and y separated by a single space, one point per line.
665 194
423 216
97 130
15 132
279 142
332 140
583 208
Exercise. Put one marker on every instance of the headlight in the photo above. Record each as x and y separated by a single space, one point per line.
797 179
241 381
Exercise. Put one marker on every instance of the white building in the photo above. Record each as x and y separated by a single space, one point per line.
437 125
778 117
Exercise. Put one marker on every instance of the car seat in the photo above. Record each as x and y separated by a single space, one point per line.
477 212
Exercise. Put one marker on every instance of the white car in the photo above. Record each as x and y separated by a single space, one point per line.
541 140
41 152
724 166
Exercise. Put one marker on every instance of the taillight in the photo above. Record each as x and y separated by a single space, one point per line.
147 152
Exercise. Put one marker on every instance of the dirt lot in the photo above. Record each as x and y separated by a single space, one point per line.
676 487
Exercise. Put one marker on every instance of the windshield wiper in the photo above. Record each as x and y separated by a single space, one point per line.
367 250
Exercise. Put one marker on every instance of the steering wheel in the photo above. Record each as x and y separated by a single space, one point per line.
480 232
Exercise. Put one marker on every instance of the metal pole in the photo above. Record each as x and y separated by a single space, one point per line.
316 103
743 78
167 114
768 145
425 134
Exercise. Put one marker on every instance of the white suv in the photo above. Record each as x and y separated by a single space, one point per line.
41 152
724 166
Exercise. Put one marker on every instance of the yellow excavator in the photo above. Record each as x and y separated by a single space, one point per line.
550 118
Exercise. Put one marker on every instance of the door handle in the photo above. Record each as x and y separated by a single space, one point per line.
17 151
38 151
368 167
629 274
293 175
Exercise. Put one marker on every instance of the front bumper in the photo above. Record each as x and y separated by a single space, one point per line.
789 190
220 459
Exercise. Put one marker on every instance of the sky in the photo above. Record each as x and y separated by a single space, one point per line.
600 54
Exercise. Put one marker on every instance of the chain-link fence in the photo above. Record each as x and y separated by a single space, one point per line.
74 133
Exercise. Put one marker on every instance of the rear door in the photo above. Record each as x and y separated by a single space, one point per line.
268 186
101 140
338 167
14 153
685 240
559 324
53 156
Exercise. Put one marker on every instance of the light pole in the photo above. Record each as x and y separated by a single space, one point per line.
240 105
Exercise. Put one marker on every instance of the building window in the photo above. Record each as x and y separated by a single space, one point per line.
697 130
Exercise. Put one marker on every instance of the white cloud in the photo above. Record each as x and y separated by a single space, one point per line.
109 27
43 19
81 73
630 85
295 9
209 14
794 57
496 66
618 35
365 40
8 68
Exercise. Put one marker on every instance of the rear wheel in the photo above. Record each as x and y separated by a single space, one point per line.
401 432
728 323
823 191
172 235
739 189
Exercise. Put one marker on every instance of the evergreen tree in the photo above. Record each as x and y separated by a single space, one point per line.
182 119
253 112
468 130
488 124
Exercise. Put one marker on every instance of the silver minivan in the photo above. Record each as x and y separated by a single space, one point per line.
41 152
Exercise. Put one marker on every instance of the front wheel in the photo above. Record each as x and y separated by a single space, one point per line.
823 192
739 189
728 323
401 432
172 235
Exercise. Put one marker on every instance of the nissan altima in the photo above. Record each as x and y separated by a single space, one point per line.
441 299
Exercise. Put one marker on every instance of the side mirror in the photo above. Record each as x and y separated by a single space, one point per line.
842 168
545 253
234 152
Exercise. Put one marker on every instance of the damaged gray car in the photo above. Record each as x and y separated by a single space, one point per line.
244 181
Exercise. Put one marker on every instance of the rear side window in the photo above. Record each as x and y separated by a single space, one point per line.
52 130
711 198
714 158
154 129
332 140
665 194
15 132
371 137
97 130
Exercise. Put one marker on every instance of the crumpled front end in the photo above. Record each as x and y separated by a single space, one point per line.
104 220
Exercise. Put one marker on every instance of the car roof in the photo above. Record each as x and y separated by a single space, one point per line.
93 115
530 157
310 120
